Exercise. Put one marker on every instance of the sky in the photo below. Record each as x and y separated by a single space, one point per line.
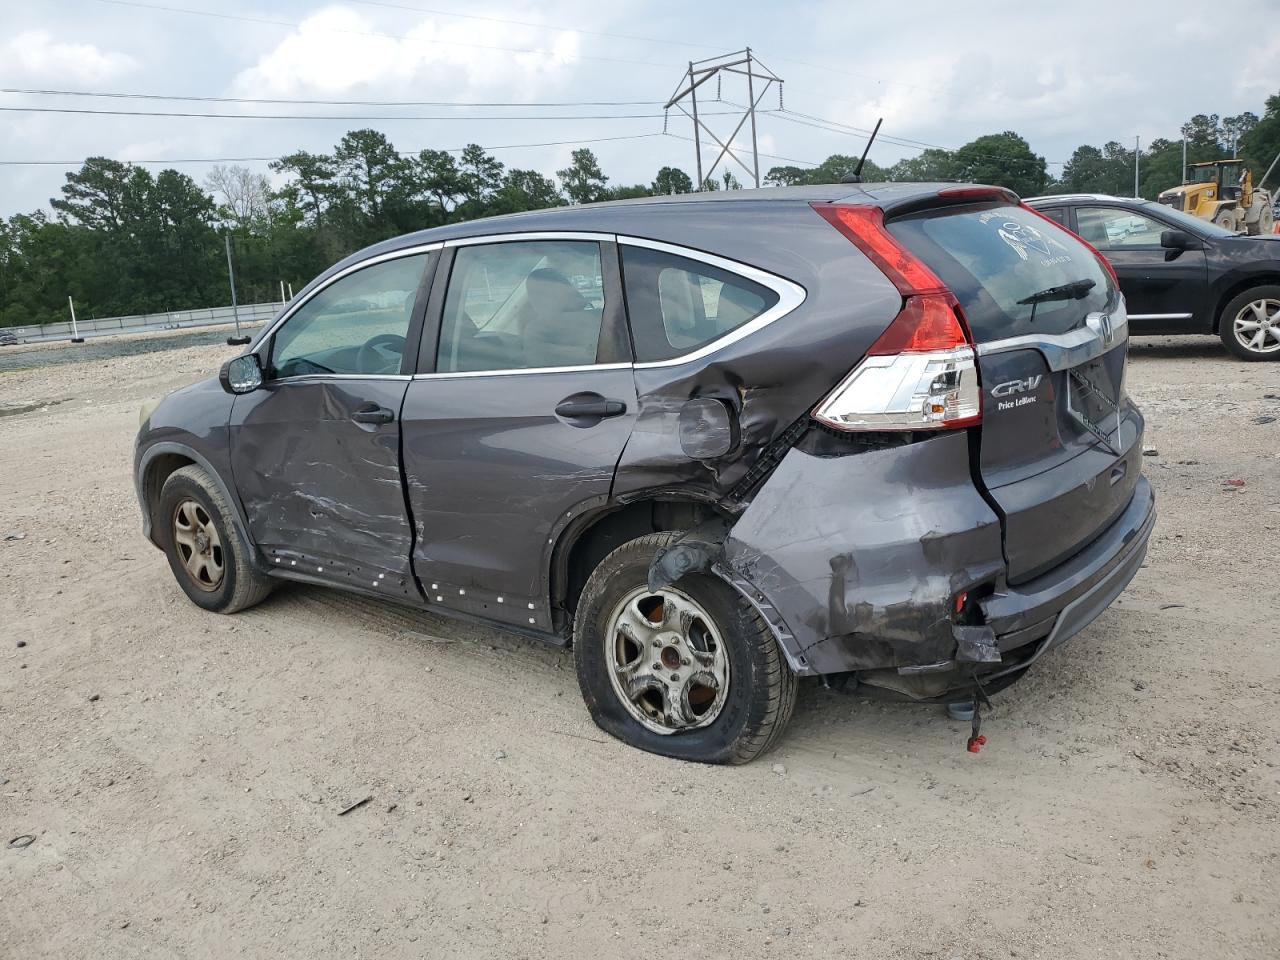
938 73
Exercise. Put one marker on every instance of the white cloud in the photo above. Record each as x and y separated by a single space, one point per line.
1256 70
35 54
337 51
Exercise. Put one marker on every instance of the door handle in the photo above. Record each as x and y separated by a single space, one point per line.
373 414
595 408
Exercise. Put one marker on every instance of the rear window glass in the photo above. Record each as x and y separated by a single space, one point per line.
991 257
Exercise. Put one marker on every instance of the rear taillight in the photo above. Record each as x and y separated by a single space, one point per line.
1106 264
921 373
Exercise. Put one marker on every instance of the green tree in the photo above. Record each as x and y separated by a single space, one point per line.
1203 130
1261 145
479 175
1236 128
526 190
927 166
786 176
96 195
439 179
583 181
671 180
1004 159
839 165
623 191
372 174
313 182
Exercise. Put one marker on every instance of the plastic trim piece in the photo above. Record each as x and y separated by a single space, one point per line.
1064 350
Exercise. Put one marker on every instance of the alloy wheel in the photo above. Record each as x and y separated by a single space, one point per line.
198 544
1257 326
667 661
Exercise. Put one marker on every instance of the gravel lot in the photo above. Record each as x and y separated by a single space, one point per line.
182 772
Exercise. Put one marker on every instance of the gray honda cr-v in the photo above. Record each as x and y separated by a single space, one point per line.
718 442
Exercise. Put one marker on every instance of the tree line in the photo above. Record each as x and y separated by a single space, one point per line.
122 240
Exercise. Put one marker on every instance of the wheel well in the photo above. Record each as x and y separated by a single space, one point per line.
158 471
580 550
1238 288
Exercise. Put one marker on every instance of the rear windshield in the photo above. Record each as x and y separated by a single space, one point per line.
992 256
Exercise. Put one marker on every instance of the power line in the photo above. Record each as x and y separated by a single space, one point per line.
371 33
771 156
403 153
332 103
835 126
313 116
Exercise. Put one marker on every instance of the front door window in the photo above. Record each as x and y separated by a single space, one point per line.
356 326
1118 229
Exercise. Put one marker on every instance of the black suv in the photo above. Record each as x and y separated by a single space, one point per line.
716 442
1180 274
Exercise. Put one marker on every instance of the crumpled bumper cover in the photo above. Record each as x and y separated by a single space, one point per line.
856 562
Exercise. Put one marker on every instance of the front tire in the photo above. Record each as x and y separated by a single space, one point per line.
1250 324
208 557
689 671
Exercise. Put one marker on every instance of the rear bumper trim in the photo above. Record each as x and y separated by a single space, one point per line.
1107 559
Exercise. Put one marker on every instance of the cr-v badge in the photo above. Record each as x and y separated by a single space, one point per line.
1010 387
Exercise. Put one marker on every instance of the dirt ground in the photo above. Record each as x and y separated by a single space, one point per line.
182 772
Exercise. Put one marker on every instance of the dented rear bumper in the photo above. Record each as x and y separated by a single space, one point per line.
856 562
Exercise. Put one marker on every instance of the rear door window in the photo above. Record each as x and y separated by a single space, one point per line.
677 304
993 257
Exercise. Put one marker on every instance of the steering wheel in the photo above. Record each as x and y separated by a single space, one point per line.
381 355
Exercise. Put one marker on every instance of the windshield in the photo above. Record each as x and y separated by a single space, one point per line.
1185 221
996 258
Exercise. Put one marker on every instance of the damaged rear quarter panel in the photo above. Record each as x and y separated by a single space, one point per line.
862 554
772 377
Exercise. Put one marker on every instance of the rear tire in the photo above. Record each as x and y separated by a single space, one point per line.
1249 324
735 692
1265 223
209 559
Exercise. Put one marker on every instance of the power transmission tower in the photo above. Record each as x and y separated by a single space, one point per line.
759 81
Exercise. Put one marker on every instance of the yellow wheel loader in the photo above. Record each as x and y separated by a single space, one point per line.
1222 192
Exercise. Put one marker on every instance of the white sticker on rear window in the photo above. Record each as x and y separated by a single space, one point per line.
1024 240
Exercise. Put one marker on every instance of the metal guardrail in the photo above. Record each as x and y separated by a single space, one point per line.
140 323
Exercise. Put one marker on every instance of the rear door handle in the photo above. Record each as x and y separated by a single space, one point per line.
581 409
373 413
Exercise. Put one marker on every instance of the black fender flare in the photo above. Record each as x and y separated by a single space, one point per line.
163 447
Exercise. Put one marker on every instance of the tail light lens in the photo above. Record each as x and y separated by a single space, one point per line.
921 374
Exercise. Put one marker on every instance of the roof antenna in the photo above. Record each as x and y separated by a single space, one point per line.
856 176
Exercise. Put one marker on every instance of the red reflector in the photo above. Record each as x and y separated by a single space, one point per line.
926 323
864 227
1079 239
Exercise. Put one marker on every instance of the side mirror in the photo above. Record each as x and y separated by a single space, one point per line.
241 374
1179 240
1176 241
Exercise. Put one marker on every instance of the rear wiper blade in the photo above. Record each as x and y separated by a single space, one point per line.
1074 290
